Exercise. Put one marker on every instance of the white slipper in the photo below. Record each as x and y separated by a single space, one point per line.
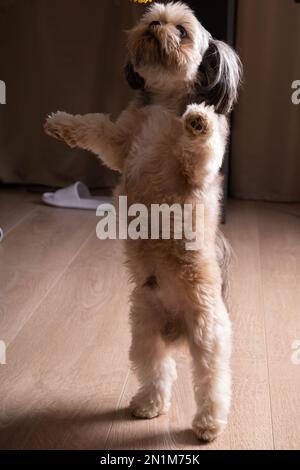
76 196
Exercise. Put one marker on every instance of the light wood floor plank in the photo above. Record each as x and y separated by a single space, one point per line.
251 406
48 237
69 362
32 257
280 259
15 205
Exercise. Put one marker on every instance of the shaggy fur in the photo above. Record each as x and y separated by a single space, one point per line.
169 145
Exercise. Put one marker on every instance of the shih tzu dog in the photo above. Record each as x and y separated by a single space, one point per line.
168 146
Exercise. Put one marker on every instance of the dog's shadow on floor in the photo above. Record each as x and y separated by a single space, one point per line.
74 429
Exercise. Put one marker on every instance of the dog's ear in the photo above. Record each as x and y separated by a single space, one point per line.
134 80
219 76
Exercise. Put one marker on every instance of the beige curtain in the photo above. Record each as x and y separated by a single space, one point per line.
266 137
59 54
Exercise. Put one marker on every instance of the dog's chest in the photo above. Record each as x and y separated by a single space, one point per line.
152 166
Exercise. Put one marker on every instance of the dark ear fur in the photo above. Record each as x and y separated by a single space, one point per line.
134 80
219 76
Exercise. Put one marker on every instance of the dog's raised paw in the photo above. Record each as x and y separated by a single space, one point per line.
196 124
197 120
61 126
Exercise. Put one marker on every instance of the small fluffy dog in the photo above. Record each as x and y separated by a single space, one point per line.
169 146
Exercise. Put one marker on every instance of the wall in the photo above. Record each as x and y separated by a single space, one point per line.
59 54
266 137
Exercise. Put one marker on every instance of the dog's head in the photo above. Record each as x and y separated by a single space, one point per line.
170 48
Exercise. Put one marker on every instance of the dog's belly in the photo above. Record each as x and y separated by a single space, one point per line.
168 293
171 306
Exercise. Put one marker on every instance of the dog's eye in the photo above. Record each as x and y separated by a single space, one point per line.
182 31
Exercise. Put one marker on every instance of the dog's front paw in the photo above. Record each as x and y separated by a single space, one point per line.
62 126
207 428
198 120
148 405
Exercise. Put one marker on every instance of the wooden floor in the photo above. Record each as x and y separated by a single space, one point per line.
63 316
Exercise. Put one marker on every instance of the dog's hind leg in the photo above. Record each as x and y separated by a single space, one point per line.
151 360
210 346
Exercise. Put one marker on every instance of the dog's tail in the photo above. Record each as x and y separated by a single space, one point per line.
224 255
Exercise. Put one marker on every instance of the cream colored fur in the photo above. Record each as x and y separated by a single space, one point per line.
165 157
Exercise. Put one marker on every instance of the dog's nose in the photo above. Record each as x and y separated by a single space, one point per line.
153 24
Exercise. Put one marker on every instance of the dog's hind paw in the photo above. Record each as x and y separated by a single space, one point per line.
148 406
207 429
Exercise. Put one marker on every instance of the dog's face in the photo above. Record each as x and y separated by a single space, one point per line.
168 41
169 48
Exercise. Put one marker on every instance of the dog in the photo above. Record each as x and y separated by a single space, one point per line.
168 146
